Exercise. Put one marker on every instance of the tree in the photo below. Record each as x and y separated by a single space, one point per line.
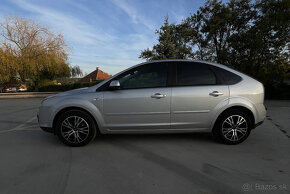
170 44
7 66
192 33
271 30
252 36
76 71
260 49
32 51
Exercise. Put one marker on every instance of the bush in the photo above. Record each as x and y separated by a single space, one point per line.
278 92
66 87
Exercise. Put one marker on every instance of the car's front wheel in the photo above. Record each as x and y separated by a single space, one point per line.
76 128
232 127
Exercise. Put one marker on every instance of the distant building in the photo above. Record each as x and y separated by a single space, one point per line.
95 76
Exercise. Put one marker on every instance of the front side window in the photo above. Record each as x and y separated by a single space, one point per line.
146 76
190 74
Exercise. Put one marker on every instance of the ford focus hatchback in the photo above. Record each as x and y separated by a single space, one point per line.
166 96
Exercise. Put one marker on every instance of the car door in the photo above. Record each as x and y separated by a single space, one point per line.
142 102
195 96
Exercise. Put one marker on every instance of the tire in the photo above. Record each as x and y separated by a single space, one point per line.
76 128
232 127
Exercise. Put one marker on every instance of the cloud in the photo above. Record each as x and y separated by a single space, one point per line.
134 14
73 28
123 52
110 49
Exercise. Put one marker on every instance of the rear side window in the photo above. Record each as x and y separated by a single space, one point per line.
226 77
190 74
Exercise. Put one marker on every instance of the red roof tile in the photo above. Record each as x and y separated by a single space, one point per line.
95 76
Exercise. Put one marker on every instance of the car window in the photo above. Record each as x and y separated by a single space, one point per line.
226 77
189 74
145 76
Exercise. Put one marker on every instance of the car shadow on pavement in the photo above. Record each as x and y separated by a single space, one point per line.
204 137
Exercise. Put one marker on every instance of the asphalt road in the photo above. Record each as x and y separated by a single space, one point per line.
33 161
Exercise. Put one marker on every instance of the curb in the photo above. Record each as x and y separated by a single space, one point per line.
25 95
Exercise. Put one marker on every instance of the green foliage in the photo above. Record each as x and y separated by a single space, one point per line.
66 87
7 66
252 36
31 52
75 71
170 44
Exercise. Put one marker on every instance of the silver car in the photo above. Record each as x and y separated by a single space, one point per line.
165 96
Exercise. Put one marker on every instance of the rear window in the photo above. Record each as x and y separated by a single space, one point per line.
190 74
226 77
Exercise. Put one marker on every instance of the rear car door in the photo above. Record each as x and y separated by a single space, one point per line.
142 102
195 95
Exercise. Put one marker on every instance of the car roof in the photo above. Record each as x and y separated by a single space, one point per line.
185 60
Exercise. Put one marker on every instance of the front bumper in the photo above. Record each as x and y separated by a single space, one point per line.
46 129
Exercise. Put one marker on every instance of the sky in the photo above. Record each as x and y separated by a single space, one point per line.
109 34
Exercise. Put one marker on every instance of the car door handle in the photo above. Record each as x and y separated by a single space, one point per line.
158 96
215 94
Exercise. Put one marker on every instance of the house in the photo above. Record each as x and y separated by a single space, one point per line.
95 76
22 88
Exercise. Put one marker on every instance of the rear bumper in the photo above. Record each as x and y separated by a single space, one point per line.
258 124
261 113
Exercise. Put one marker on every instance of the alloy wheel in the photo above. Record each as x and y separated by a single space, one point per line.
75 129
234 127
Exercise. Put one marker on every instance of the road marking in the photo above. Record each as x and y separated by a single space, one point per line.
19 127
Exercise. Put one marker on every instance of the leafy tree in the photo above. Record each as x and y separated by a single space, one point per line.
252 36
271 31
76 71
7 66
170 44
260 49
32 51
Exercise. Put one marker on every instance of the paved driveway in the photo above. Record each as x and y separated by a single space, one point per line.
33 161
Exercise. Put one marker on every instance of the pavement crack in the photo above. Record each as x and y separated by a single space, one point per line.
67 170
203 180
278 126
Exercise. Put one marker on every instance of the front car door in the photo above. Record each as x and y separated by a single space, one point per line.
142 102
195 96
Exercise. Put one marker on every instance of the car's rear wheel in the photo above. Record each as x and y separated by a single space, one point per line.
76 128
232 127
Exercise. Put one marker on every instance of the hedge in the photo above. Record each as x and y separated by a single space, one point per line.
66 87
277 92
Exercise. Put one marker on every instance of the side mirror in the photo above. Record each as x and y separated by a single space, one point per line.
115 85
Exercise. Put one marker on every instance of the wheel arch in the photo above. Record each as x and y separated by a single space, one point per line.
236 107
69 108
